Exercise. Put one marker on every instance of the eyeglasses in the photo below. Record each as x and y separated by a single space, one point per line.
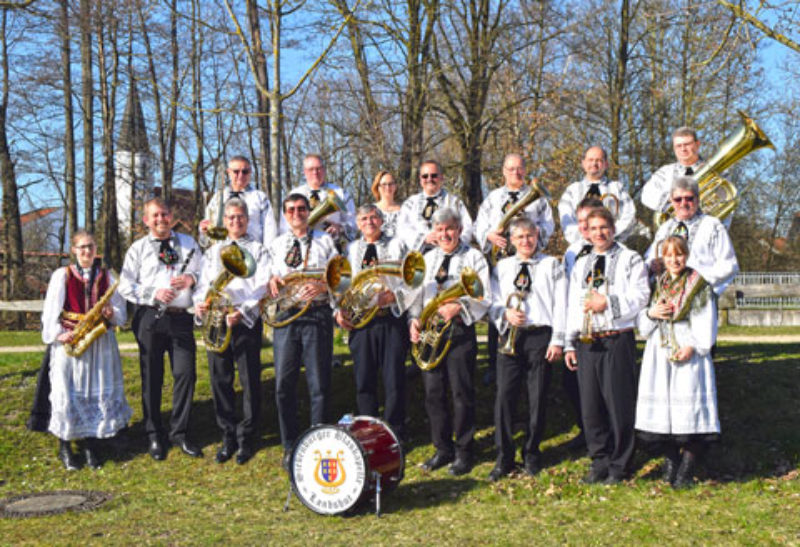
314 169
242 171
386 184
684 144
426 176
681 199
236 217
86 247
298 209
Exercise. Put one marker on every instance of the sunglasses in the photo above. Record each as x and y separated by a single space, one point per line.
242 171
681 199
427 176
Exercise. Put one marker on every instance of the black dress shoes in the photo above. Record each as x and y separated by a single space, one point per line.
684 478
532 467
156 449
440 459
90 453
188 447
499 471
67 457
461 466
670 468
244 454
595 475
226 452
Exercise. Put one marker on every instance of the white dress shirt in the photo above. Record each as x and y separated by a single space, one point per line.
491 213
463 257
261 224
412 228
655 192
711 250
244 293
575 192
545 303
346 218
143 273
626 289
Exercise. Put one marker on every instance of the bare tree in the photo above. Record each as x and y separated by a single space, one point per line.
69 133
87 93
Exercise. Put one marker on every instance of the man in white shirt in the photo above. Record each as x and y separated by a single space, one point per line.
686 145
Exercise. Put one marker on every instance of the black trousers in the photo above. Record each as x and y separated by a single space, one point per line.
456 372
528 367
309 341
381 345
245 351
171 333
607 382
39 419
569 382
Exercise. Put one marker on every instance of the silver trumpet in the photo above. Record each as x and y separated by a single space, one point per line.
515 301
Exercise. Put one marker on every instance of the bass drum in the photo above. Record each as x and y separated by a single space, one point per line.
334 467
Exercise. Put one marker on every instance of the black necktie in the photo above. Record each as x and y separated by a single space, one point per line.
585 250
294 256
314 200
599 271
166 253
513 197
689 172
430 208
681 231
444 269
594 190
235 194
370 256
523 280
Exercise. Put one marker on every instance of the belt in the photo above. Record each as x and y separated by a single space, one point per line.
529 328
610 333
170 309
383 312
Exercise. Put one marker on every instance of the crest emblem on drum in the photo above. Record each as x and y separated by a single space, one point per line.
329 472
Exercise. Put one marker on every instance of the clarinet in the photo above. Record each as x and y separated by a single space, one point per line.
162 306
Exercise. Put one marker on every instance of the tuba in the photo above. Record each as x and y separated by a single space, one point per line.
288 305
358 301
718 196
236 262
537 190
91 326
435 333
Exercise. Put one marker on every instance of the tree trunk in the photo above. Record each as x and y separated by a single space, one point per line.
69 129
262 102
87 92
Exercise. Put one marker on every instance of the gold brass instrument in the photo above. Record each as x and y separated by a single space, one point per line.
718 196
358 301
515 301
91 327
611 202
330 205
537 190
218 231
236 262
587 329
288 305
435 333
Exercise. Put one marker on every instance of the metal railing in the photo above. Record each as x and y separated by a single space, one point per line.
768 302
767 278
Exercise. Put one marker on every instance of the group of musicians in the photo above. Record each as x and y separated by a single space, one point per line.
540 309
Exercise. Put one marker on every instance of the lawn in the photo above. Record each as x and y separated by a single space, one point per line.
749 492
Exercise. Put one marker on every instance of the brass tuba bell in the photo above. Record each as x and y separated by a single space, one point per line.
718 196
330 205
537 190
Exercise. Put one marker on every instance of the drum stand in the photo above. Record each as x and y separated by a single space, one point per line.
288 497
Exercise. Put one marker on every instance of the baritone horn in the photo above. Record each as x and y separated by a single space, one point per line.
718 196
236 262
330 205
515 301
537 190
358 302
435 333
289 306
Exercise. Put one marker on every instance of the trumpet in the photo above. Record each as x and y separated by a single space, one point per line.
515 301
288 306
91 327
358 300
236 262
218 231
587 329
537 190
435 333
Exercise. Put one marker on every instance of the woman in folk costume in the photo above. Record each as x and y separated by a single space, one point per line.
87 397
677 401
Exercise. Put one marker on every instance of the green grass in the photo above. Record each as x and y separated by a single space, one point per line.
748 494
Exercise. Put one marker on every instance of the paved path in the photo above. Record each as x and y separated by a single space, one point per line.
759 338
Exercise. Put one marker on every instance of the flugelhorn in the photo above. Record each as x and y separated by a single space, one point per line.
435 333
358 301
537 190
587 329
91 327
515 301
718 196
236 262
288 306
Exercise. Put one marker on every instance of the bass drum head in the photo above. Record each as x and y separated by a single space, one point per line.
328 470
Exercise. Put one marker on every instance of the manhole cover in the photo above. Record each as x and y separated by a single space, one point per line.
51 503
